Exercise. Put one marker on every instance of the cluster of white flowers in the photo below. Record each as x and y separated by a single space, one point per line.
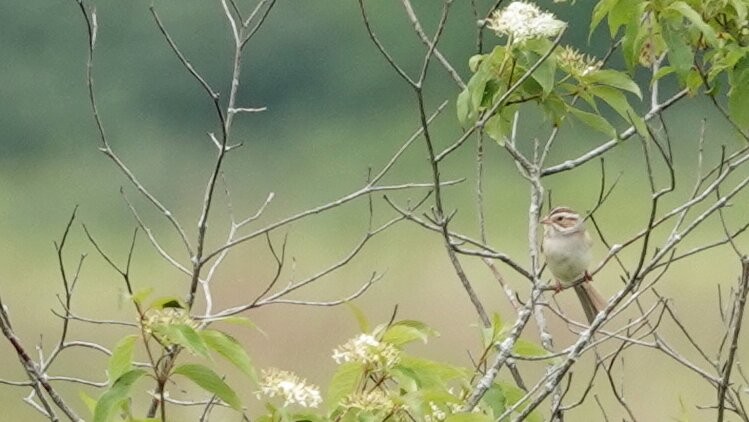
285 384
157 322
522 21
374 401
436 414
366 349
577 63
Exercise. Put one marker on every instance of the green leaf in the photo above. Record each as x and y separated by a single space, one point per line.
528 349
694 17
496 128
499 126
741 9
546 71
602 8
492 334
307 417
466 115
228 347
554 108
693 81
594 121
633 36
481 88
361 319
403 332
680 53
186 336
210 382
664 71
614 78
122 357
468 417
168 302
512 395
89 401
243 321
141 295
495 399
344 382
475 61
117 393
738 97
614 98
621 14
544 74
430 374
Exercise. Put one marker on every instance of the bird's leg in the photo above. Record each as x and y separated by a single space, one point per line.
557 287
587 277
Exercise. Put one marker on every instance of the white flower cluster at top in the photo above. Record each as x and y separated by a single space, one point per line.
159 321
167 317
522 21
366 349
285 384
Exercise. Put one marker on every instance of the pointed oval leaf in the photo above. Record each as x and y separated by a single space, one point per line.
738 98
344 382
228 347
141 295
527 348
121 360
616 79
512 395
117 393
361 319
187 337
680 53
403 332
89 401
495 399
468 417
167 302
210 382
463 109
594 121
615 99
498 128
602 8
686 10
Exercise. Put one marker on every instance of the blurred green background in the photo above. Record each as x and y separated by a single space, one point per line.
334 109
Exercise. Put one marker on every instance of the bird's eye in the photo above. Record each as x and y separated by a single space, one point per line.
558 218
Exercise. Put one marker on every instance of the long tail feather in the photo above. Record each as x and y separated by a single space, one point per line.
592 301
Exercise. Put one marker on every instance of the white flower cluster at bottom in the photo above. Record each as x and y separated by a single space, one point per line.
285 384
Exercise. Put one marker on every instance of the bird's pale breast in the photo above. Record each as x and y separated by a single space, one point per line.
567 256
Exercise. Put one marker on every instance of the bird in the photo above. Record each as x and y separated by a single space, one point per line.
566 247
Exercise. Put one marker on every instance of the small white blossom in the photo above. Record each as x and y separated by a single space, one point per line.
577 63
374 401
290 387
366 349
159 321
436 414
522 21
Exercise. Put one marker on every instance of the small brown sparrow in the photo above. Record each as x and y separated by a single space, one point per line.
566 246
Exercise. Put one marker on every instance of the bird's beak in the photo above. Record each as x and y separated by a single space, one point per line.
545 221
